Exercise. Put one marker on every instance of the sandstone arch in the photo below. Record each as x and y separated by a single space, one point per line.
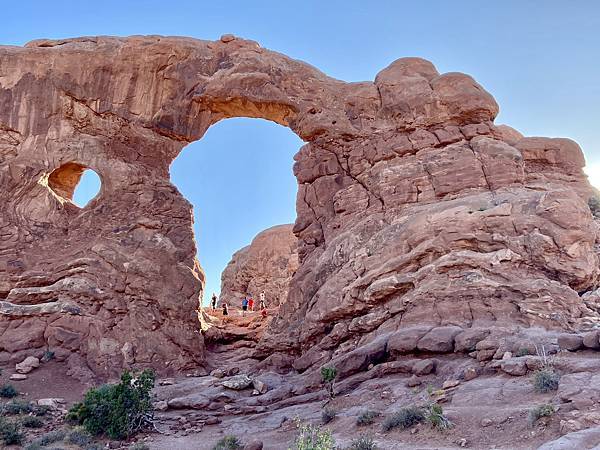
413 206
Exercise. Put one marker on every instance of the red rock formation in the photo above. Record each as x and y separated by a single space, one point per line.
413 207
268 264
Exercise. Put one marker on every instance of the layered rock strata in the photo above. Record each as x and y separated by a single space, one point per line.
413 207
267 264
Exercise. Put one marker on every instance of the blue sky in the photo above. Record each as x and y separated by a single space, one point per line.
540 59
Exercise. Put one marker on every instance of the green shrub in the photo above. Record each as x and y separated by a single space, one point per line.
540 411
16 407
523 352
79 436
8 391
116 410
228 443
367 417
10 432
363 442
328 415
545 380
328 375
32 422
312 437
47 356
51 438
404 418
40 410
436 418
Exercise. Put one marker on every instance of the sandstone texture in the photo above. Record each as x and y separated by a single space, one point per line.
414 209
267 264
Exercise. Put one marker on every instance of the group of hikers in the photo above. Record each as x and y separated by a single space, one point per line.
247 304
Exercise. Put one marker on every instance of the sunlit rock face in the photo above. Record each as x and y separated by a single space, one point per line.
267 264
413 207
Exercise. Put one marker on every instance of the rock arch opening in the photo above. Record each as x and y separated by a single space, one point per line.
75 183
239 180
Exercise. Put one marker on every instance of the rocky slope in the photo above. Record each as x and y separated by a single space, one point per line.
267 264
414 208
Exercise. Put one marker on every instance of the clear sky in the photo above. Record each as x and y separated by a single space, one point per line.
540 59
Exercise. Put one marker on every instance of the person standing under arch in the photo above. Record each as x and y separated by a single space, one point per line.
213 302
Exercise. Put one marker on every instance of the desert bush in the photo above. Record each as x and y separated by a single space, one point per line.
32 422
367 417
328 375
538 412
40 410
312 437
10 432
79 436
594 205
228 443
8 391
328 415
523 352
363 442
47 356
545 380
116 410
404 418
15 407
436 418
50 438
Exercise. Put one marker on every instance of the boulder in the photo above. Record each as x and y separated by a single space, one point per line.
237 382
592 340
571 342
424 367
466 340
27 365
405 340
514 366
439 340
192 401
18 377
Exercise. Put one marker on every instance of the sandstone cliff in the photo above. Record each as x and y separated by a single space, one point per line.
268 264
413 206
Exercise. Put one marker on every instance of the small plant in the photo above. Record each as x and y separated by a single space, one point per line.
51 438
228 443
436 418
523 352
117 410
328 375
430 389
312 437
363 442
367 417
47 356
328 415
8 391
41 410
32 422
16 407
404 418
538 412
10 432
545 380
79 436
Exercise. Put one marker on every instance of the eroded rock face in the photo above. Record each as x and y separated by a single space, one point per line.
268 264
413 207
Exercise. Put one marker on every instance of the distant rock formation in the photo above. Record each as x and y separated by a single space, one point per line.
268 264
413 207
